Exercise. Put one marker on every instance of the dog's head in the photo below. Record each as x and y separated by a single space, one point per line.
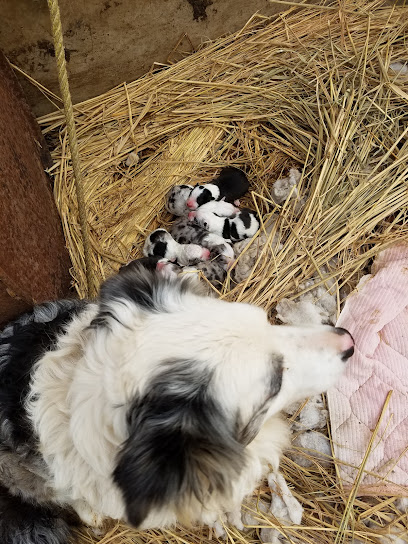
199 377
201 194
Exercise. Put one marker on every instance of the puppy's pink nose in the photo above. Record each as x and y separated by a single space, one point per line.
205 254
191 204
161 264
346 343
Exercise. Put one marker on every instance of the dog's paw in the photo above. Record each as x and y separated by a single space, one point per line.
284 506
272 536
218 528
235 518
87 515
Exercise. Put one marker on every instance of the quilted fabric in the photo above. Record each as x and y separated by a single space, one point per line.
376 314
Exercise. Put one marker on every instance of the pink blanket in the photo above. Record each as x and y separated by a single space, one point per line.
376 314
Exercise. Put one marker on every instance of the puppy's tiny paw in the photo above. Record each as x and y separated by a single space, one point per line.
219 530
97 532
234 518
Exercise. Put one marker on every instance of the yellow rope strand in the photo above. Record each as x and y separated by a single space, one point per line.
72 138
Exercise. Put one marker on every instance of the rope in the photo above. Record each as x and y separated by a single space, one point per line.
72 137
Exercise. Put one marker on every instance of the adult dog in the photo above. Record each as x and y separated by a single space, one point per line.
153 404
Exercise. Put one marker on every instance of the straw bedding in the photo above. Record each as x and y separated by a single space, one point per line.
310 88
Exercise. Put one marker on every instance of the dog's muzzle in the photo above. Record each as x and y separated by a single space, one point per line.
346 343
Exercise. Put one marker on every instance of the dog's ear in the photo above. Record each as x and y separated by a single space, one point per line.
248 431
181 446
138 285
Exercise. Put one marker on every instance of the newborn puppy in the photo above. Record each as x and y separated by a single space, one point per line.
186 232
161 244
244 224
221 208
176 199
213 270
230 185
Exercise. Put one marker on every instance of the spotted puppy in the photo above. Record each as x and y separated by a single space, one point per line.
230 185
220 208
160 243
214 271
176 199
184 231
244 224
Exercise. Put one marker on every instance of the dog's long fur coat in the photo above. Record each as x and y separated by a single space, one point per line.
154 404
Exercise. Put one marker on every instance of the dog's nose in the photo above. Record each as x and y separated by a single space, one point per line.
346 343
205 255
161 264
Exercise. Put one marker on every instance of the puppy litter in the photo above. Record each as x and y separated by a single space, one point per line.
208 232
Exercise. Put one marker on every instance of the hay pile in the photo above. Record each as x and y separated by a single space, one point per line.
310 88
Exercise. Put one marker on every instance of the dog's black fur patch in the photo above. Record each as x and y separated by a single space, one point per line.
160 249
226 230
245 216
232 183
251 429
156 236
22 523
179 440
234 232
22 343
204 197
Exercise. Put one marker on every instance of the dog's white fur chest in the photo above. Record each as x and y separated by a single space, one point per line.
78 428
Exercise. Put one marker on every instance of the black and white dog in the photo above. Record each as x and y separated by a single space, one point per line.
153 404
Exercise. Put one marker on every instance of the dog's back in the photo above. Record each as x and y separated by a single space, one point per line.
25 497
